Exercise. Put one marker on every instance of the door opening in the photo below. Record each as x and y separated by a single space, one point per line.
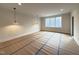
72 26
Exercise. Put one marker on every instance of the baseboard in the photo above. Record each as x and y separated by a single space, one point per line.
11 38
57 32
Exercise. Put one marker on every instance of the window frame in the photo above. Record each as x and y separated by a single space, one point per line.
55 22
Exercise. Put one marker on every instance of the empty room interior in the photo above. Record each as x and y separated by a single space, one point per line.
39 28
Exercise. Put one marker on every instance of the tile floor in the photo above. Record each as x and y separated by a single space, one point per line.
40 43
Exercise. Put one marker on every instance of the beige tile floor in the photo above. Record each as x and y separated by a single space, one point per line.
40 43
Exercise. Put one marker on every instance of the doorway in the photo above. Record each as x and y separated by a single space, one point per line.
72 26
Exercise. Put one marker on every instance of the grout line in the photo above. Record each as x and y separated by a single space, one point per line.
15 42
11 44
21 48
58 48
42 46
59 45
73 53
62 48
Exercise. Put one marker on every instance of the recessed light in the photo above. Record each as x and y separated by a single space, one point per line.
61 9
19 3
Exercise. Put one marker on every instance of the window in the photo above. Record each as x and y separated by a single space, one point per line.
53 22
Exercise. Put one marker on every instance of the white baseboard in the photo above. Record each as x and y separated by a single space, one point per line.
14 37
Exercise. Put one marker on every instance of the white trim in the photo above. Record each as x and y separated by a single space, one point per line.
11 38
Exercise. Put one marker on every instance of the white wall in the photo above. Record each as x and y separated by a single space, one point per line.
26 25
66 26
75 13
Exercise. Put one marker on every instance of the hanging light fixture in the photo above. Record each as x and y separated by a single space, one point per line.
15 22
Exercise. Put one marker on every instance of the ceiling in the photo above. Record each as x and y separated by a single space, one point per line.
41 9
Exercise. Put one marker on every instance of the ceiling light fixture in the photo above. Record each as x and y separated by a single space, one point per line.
19 3
15 22
61 10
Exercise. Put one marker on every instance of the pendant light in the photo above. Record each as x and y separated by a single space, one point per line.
15 22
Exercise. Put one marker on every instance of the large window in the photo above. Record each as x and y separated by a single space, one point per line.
53 22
